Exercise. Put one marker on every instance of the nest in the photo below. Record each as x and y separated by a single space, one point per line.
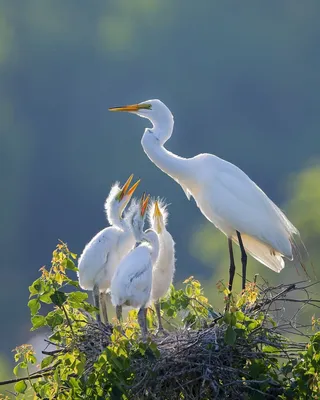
198 364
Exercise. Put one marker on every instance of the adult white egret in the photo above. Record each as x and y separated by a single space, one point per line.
105 250
225 195
164 268
132 281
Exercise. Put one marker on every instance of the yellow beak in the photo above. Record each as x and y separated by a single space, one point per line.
157 212
124 191
130 108
133 188
144 203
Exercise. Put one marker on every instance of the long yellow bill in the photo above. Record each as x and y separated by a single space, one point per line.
132 107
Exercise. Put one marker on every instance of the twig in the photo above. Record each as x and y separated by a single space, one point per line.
67 318
32 376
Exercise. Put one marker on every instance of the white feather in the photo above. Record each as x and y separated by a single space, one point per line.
131 284
106 249
225 194
111 206
164 268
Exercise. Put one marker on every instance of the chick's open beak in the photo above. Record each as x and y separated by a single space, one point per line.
124 191
144 203
133 188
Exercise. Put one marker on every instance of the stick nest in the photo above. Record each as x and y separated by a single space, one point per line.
199 364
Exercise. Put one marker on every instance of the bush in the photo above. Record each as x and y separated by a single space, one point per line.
241 354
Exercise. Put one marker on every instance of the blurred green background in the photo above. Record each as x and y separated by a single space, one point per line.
241 78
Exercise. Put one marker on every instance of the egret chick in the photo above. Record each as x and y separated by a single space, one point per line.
164 268
105 250
132 281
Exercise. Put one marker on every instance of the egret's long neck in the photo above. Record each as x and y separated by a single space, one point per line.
151 237
115 220
152 143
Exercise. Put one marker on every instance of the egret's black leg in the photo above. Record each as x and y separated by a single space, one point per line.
96 300
232 269
103 304
158 311
243 260
119 313
142 322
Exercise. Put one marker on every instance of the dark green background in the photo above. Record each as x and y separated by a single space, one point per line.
243 82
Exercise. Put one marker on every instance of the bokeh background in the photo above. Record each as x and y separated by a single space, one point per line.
243 82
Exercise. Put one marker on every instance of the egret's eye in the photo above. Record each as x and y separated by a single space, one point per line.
145 106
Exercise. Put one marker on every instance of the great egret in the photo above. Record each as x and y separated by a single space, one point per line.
105 250
132 281
164 268
226 196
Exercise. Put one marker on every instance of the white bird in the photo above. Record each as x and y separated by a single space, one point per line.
226 196
132 281
163 271
105 250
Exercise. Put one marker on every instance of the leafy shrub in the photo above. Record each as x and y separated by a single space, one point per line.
241 354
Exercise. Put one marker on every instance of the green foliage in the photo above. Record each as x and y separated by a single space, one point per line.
72 372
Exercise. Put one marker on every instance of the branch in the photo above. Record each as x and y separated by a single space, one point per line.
32 376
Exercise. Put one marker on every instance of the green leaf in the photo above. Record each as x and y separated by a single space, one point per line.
227 317
46 297
71 266
58 298
170 312
38 321
89 308
20 387
233 319
34 306
76 299
257 368
73 283
154 348
46 361
54 319
239 315
56 337
230 336
189 290
36 287
253 325
21 365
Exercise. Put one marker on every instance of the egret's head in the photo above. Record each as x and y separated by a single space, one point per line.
158 215
154 110
118 199
137 214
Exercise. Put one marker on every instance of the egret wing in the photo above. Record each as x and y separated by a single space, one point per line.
95 256
243 206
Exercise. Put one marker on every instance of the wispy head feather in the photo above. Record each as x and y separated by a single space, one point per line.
111 206
163 209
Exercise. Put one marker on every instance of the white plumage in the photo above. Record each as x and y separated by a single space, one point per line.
163 271
105 250
224 193
132 281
